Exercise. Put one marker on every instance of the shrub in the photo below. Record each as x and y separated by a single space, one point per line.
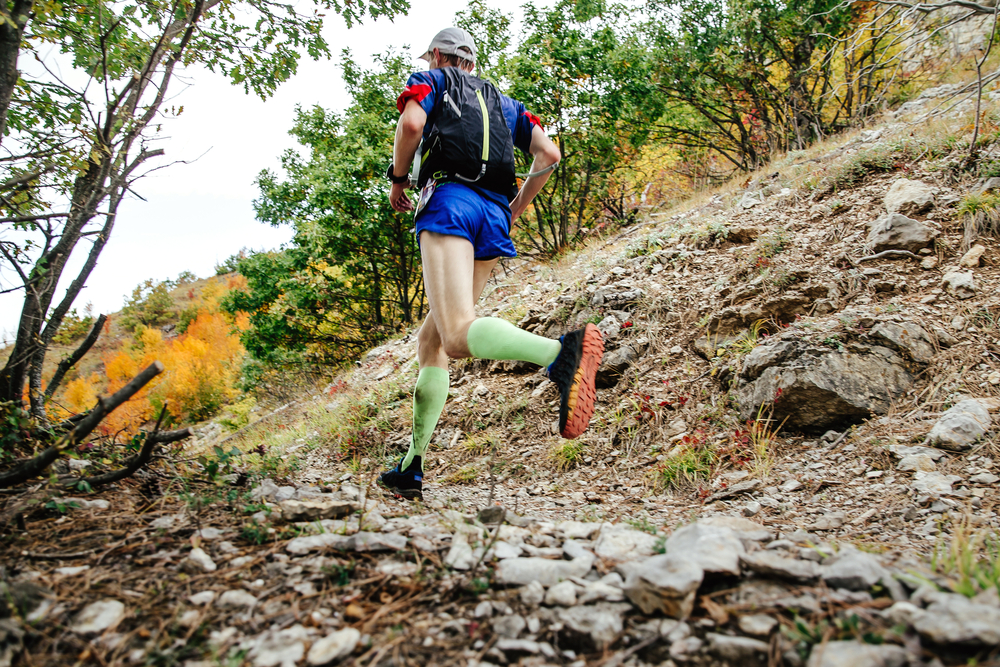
149 305
689 462
74 326
568 453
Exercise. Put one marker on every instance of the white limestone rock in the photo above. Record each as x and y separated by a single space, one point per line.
714 548
666 583
853 653
334 646
909 197
960 426
98 616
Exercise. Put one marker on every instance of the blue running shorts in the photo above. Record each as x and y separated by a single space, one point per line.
457 210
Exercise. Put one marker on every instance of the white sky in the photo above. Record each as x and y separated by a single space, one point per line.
197 215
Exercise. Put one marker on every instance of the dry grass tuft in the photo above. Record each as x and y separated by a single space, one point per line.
980 216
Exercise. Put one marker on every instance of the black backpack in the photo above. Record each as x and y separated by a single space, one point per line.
469 141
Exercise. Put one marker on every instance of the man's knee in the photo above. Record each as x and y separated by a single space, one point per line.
456 343
457 353
452 337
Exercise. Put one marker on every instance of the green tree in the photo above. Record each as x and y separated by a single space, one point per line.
746 78
149 305
491 30
351 275
584 69
73 151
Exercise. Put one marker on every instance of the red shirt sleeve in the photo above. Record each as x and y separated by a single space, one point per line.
421 87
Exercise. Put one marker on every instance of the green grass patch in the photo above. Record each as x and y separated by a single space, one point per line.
690 464
568 453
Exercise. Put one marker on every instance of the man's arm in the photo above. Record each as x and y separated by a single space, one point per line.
546 154
409 129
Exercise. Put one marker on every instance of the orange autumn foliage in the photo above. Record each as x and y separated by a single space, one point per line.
201 369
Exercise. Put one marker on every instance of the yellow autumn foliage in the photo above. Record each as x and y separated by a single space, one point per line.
201 369
81 394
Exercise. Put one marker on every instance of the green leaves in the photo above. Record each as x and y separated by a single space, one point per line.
351 275
747 77
583 68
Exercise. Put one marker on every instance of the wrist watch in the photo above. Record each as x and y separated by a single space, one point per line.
398 180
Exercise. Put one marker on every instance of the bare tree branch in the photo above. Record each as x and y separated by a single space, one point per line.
84 427
153 438
30 218
71 360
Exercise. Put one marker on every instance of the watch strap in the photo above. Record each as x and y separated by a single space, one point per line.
398 180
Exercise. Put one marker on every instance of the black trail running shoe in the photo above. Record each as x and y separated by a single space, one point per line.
573 371
407 483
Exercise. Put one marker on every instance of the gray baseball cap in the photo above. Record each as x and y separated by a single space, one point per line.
453 42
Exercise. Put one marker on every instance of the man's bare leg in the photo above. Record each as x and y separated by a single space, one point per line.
449 268
453 284
431 391
430 345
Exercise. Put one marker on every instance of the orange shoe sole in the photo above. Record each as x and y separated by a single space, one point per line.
583 393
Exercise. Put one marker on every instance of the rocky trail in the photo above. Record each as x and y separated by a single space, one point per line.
794 461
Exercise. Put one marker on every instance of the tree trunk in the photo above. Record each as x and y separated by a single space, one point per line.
15 17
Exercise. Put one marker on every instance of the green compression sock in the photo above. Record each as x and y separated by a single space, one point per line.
429 397
493 338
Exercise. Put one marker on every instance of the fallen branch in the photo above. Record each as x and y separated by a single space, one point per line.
84 427
57 556
134 462
889 253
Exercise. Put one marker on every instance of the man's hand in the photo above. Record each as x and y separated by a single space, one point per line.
409 129
398 198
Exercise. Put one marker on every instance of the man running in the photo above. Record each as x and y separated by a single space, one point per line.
463 227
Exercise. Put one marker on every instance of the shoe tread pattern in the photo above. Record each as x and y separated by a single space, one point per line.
583 393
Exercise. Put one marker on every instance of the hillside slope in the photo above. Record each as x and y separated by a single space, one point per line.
683 300
793 461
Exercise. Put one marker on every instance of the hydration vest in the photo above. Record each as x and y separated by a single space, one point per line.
469 141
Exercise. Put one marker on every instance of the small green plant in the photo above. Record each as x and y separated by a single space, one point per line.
985 319
780 278
971 558
717 230
833 341
57 504
239 414
771 244
748 340
15 429
567 453
479 444
515 313
255 533
642 523
980 216
479 585
339 574
591 514
805 636
693 461
220 464
989 168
